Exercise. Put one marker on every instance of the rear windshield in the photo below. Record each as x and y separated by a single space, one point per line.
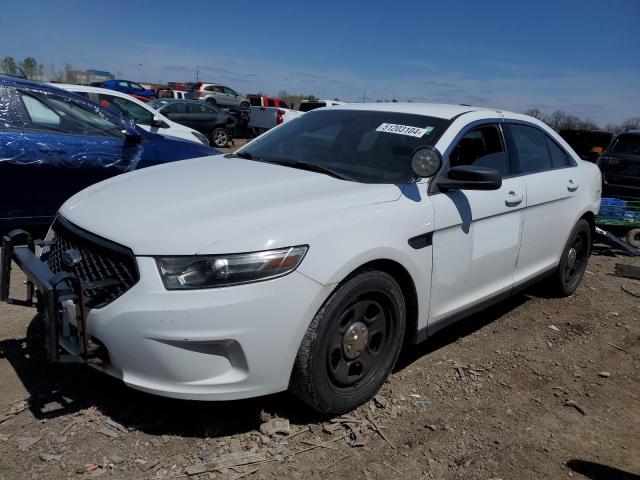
366 146
627 143
194 86
308 106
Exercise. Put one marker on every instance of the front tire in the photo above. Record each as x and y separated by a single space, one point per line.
220 137
573 262
351 345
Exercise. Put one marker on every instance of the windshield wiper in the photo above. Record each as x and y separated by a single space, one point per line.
312 167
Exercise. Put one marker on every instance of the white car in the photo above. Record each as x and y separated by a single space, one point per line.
142 114
308 258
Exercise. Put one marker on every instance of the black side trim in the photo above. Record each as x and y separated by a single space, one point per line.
426 332
421 241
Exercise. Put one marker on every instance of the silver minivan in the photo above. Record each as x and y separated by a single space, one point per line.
217 95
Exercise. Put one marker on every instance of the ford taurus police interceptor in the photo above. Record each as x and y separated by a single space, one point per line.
308 258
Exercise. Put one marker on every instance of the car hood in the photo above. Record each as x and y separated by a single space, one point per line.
216 204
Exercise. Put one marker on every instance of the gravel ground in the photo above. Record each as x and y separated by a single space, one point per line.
532 388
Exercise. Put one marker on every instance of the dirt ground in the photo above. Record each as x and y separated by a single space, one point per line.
532 388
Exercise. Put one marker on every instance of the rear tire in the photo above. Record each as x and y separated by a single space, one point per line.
245 105
220 137
573 261
351 345
212 101
633 237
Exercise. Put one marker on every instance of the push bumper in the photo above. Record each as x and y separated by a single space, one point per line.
57 296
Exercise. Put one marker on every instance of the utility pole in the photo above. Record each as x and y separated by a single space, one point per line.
197 73
364 96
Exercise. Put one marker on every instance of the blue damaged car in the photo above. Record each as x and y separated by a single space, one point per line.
54 143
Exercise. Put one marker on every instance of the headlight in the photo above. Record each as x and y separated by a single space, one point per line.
201 138
208 271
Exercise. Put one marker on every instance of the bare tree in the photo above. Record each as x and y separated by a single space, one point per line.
535 113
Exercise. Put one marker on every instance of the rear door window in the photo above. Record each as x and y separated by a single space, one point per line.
482 147
40 114
199 108
530 149
559 158
175 107
126 108
58 114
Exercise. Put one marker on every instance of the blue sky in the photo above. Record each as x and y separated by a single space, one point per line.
579 56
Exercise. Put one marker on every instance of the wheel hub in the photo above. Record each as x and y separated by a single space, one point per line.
571 256
355 340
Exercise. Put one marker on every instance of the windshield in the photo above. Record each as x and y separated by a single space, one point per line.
366 146
627 143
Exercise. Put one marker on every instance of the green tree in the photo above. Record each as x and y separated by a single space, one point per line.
31 68
9 66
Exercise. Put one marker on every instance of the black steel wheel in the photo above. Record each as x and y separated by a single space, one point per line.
364 333
352 344
573 262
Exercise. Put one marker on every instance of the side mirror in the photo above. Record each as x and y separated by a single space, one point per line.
158 122
469 177
425 162
131 137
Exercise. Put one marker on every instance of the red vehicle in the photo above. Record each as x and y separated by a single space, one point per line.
260 101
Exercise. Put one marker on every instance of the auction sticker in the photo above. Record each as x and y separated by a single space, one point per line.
404 130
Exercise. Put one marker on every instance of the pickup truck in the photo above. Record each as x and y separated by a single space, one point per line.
264 118
262 101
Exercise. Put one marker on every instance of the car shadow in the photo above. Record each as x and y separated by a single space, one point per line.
597 471
459 329
58 390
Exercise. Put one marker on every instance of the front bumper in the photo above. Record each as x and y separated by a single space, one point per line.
214 344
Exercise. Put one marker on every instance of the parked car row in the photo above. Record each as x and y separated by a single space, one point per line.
206 118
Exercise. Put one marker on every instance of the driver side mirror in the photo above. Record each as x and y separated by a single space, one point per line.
158 122
470 177
131 137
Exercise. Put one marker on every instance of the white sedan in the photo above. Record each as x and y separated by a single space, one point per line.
310 257
139 112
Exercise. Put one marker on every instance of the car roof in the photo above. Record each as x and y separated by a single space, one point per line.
88 88
438 110
175 100
9 81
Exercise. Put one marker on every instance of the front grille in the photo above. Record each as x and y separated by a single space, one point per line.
106 270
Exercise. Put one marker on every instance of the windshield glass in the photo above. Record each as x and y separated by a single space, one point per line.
627 143
367 146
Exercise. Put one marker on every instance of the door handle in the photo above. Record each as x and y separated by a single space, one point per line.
512 199
572 186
